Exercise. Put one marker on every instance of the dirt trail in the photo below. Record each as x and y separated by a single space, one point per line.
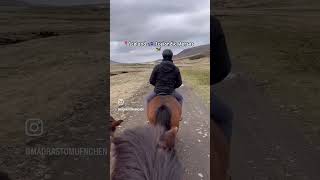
193 142
266 142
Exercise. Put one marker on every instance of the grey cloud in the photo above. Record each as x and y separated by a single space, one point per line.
150 20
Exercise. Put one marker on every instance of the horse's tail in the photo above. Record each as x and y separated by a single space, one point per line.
163 116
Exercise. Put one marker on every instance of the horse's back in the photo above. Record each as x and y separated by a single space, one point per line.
169 101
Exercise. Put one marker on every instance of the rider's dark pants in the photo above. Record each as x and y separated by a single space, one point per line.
222 115
175 93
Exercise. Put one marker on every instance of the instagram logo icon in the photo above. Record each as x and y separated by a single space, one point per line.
34 127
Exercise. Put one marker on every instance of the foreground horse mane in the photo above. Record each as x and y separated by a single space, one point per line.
138 156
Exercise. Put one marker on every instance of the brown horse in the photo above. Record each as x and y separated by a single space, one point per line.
146 152
221 148
165 100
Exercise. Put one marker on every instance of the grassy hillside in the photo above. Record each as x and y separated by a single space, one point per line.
203 50
196 73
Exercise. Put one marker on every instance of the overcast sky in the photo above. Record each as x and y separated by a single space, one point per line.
161 20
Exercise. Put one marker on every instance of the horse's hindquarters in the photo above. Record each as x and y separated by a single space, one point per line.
168 101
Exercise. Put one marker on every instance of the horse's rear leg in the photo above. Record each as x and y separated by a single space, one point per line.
221 150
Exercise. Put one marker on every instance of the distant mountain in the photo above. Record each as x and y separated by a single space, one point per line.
194 52
203 50
114 62
12 3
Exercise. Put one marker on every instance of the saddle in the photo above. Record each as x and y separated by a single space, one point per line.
169 101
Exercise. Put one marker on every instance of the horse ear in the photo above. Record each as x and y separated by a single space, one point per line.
167 140
114 123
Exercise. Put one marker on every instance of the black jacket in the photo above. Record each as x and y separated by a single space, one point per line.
165 77
221 65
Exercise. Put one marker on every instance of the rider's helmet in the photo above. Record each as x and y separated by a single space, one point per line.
167 55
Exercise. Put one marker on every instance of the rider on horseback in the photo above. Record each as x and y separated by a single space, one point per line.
165 78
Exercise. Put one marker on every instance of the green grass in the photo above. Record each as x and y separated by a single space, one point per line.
199 79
